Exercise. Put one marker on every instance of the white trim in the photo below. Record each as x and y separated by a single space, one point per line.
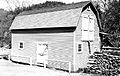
81 47
74 51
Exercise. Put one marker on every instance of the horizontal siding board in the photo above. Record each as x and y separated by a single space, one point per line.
44 30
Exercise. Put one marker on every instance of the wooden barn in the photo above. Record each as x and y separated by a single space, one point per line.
62 37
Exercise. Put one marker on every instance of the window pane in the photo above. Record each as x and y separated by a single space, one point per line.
21 45
79 47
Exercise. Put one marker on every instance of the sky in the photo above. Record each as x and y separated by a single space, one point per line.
6 4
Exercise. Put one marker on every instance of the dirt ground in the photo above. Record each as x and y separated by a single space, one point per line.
8 68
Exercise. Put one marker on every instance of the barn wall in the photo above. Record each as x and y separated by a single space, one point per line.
60 46
81 58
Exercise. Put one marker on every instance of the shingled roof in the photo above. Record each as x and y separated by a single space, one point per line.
64 16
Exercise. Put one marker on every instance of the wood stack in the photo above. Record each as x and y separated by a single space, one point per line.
105 63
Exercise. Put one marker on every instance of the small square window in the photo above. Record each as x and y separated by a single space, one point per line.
79 47
21 45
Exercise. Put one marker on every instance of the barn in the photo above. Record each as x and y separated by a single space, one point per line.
61 37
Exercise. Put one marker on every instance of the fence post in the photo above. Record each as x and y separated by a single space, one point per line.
69 67
30 61
45 63
9 57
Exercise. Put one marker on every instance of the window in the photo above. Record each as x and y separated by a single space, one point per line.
79 47
88 9
87 27
21 45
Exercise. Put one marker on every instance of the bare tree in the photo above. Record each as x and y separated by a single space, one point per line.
109 16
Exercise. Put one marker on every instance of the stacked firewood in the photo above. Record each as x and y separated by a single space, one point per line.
105 63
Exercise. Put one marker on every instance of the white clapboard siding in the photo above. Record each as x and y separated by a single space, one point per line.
60 45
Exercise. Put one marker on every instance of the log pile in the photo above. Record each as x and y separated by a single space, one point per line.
105 63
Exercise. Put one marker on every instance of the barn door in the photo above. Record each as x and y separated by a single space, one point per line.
42 52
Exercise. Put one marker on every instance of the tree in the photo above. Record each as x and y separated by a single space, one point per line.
110 21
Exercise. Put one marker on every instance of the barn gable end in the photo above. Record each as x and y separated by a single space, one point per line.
88 46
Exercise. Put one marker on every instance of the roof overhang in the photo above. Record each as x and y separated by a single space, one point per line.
45 30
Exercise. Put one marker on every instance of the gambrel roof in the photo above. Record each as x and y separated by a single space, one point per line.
64 16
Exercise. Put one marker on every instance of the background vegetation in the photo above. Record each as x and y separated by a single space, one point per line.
109 12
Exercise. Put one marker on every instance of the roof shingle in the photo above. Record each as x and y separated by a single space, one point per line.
65 16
